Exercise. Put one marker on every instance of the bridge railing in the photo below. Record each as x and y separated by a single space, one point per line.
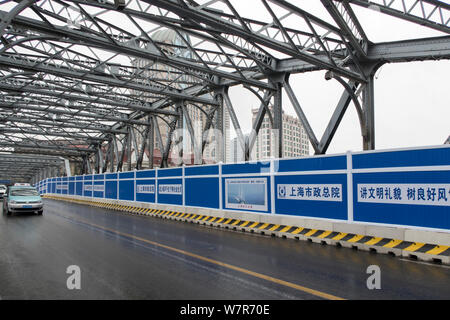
401 187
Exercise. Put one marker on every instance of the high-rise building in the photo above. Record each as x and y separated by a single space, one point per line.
216 140
162 73
295 142
236 153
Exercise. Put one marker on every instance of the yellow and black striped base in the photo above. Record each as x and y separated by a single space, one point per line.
423 251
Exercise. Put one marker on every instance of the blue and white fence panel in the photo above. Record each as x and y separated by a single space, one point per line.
201 186
312 187
409 187
146 186
247 186
170 186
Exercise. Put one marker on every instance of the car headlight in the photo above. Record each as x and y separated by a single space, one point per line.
12 201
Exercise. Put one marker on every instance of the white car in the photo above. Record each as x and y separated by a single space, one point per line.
22 199
2 190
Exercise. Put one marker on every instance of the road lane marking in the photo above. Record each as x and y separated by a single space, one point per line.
314 292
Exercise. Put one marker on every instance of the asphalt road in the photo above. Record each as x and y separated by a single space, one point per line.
135 257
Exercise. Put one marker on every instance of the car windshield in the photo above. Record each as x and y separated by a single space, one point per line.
24 192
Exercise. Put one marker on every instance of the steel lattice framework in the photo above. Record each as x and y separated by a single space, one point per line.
87 81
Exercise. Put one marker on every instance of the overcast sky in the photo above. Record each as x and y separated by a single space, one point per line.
412 105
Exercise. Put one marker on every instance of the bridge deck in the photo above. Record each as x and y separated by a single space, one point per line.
136 257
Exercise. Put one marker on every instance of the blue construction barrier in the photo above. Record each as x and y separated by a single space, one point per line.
409 187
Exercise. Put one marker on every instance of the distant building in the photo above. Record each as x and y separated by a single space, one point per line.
295 141
234 145
236 153
164 74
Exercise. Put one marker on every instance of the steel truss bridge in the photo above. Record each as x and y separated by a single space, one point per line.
85 81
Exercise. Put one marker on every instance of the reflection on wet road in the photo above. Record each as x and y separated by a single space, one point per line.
135 257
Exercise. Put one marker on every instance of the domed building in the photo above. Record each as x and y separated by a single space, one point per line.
174 44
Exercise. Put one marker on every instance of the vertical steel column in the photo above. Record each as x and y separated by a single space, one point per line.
135 146
129 148
97 160
369 113
368 104
278 121
141 153
88 165
196 149
165 156
151 141
219 126
83 166
132 146
120 161
158 136
67 167
209 121
114 153
107 156
111 156
180 128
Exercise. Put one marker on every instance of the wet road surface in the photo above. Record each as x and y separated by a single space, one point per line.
135 257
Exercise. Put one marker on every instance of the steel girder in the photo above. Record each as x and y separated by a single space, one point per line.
430 13
75 82
29 168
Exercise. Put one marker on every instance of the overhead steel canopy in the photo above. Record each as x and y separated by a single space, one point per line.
96 81
20 167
